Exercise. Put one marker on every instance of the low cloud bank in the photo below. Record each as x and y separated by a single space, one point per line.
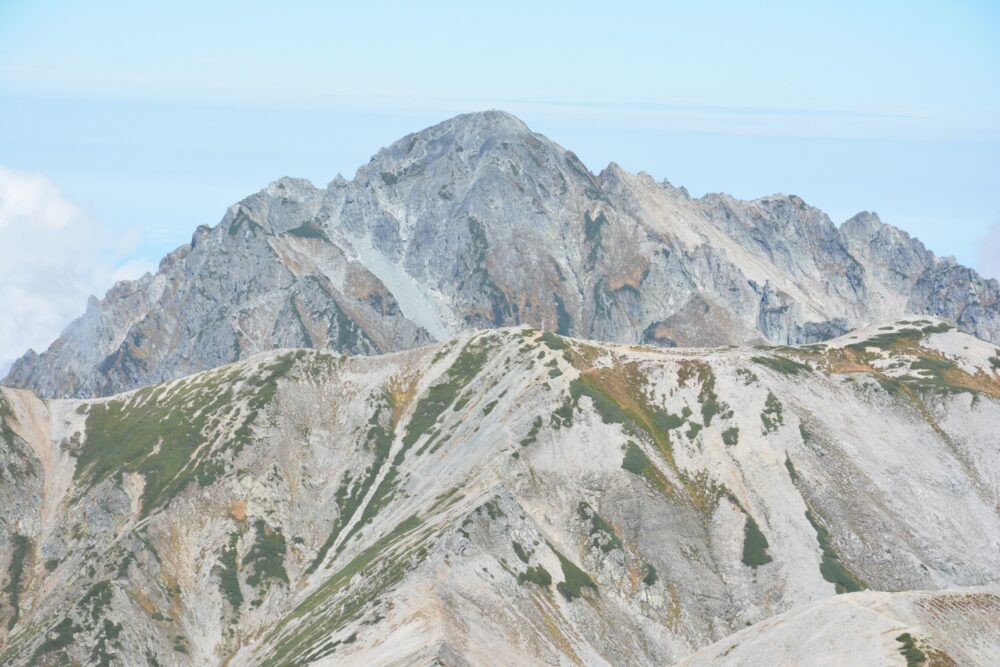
53 256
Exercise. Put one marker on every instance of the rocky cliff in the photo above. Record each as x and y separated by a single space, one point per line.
479 222
514 497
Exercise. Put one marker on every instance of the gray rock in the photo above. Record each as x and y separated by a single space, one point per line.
479 222
516 498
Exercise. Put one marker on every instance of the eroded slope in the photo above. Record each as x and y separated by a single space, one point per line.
508 497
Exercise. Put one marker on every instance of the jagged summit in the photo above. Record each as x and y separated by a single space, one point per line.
475 133
864 220
480 222
452 154
289 186
477 128
491 122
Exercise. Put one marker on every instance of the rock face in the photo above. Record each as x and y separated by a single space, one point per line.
514 497
479 222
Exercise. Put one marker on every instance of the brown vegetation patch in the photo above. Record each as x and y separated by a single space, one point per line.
848 360
400 390
624 385
143 601
631 278
238 510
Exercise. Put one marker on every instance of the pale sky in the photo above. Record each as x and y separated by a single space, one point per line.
124 126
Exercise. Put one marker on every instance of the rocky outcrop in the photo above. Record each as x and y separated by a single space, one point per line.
514 497
479 222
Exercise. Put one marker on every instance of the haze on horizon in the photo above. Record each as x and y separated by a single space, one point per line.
124 127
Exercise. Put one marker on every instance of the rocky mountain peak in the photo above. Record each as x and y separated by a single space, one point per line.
457 145
479 128
427 416
863 222
289 187
478 222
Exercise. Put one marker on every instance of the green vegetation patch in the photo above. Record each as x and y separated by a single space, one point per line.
440 397
371 572
649 576
228 572
635 460
933 374
309 230
563 415
492 509
608 409
772 416
791 470
267 555
553 342
885 341
731 436
101 654
57 639
619 397
96 600
908 336
830 567
668 422
351 493
6 415
936 328
782 365
914 656
384 493
891 386
575 578
602 535
532 435
169 433
94 604
537 575
90 610
330 647
754 545
15 572
593 233
522 553
709 400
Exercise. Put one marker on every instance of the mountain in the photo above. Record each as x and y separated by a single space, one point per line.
478 222
514 497
870 629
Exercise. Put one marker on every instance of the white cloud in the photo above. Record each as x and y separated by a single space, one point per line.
31 199
989 253
52 258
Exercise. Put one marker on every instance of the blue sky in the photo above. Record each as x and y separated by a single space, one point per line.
147 121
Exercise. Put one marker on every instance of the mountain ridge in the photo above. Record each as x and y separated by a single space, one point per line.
509 496
480 222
